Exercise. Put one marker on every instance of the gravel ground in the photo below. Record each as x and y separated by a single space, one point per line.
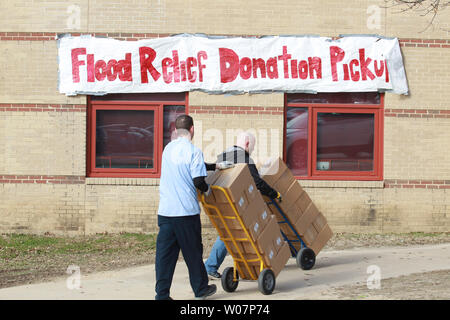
433 285
43 262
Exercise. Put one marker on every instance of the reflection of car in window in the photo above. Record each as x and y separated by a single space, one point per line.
345 136
340 137
122 139
297 140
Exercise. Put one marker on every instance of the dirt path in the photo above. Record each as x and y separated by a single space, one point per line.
434 285
407 272
114 252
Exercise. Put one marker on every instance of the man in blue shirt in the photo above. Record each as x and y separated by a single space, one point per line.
182 171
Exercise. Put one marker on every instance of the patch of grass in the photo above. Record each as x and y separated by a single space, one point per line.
424 234
22 245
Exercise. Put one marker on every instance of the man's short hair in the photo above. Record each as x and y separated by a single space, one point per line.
184 122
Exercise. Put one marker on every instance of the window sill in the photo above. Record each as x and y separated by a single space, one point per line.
123 181
341 184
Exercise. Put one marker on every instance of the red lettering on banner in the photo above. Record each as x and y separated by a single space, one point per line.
77 63
183 70
285 57
315 65
90 68
229 65
192 75
346 73
167 76
176 66
147 56
336 55
124 68
354 74
365 72
378 72
294 70
387 72
261 65
111 72
100 70
272 68
245 68
201 55
303 69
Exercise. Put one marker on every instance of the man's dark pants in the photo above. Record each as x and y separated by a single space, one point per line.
177 233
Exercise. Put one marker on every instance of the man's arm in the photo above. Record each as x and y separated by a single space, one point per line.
200 184
210 166
261 185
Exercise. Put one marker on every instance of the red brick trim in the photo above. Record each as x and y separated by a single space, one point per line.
416 113
42 179
424 43
417 184
236 110
50 36
33 107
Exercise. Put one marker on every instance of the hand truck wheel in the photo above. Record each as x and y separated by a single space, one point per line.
227 279
306 258
266 281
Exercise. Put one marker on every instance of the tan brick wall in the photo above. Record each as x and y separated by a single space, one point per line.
43 143
256 17
428 74
77 209
378 210
37 145
197 98
30 73
219 131
417 148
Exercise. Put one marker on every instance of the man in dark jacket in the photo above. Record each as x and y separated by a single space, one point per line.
239 153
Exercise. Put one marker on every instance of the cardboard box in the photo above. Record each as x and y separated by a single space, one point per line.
281 259
251 191
271 207
306 219
310 235
256 210
321 240
319 222
266 239
274 261
272 171
303 201
235 180
284 182
298 207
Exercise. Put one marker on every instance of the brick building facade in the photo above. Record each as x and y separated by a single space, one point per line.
44 183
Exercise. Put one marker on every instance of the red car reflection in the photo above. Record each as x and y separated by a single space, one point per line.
345 142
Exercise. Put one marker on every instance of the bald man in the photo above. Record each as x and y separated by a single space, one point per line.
239 153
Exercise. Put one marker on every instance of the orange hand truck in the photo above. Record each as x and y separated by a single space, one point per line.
242 265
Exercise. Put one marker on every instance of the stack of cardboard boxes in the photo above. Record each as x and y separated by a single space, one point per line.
256 217
301 212
263 222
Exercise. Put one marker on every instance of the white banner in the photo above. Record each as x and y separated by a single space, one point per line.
90 65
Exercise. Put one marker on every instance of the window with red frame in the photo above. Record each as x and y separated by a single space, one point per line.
334 136
127 132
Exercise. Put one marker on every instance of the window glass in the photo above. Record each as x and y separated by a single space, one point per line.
124 139
345 141
170 115
297 140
